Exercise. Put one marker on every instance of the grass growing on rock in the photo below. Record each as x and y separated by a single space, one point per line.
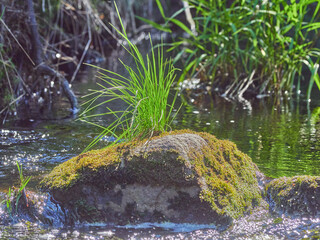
226 176
145 93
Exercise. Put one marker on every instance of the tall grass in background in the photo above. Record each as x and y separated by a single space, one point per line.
145 92
8 79
253 45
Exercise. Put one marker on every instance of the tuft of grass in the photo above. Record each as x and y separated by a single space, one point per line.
14 195
145 91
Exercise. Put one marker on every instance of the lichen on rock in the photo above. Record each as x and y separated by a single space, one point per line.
177 176
299 195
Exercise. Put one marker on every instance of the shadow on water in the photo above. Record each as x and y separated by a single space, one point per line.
283 140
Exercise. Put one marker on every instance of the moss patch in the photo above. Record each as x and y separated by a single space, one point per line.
230 177
226 176
295 195
76 169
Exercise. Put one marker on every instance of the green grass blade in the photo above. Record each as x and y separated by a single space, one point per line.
160 9
155 25
182 26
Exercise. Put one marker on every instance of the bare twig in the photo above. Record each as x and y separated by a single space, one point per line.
12 102
226 93
87 45
94 14
8 29
189 17
250 80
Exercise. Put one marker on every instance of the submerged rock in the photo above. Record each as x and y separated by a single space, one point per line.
181 176
299 195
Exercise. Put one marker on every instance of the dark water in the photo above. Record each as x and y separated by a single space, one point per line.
281 136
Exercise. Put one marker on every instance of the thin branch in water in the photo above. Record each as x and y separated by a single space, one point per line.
226 93
250 80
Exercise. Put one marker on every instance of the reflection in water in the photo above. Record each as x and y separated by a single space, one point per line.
282 140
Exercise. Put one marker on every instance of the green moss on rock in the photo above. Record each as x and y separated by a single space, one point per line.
76 169
230 177
226 177
297 195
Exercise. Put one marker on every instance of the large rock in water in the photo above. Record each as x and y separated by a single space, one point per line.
181 176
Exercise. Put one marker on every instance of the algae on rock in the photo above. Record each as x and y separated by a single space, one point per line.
176 176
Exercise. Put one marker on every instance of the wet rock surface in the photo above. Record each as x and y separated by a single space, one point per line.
298 196
183 176
32 207
134 203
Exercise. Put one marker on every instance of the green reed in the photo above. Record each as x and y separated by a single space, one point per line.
14 194
252 44
145 91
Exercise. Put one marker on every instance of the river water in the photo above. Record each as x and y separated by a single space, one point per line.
282 138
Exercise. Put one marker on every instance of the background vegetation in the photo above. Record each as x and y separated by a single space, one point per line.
71 33
254 47
239 48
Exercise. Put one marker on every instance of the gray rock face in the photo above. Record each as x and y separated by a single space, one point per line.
182 143
143 203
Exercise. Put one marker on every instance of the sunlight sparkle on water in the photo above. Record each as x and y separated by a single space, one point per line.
175 227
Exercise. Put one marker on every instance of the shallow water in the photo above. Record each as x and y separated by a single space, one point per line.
257 226
281 138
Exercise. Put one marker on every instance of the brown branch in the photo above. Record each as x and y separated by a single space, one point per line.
35 38
43 69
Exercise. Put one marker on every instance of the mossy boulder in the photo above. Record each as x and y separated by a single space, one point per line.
299 195
180 176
